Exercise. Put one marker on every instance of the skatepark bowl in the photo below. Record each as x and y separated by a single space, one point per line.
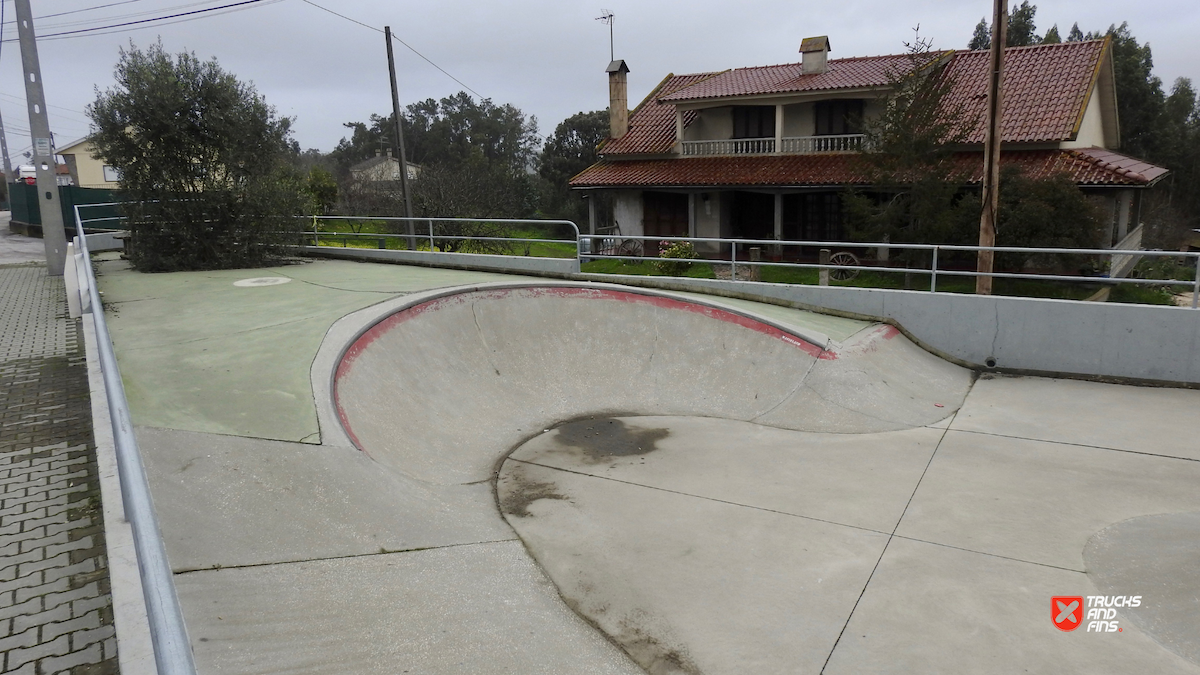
370 468
710 490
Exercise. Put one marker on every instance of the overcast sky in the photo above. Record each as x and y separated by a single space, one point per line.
547 57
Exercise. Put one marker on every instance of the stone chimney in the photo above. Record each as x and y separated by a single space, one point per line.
618 99
816 55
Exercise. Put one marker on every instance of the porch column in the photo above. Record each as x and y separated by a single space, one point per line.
779 215
1124 206
691 214
678 130
592 213
778 150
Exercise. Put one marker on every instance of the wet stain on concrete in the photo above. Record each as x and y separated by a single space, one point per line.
520 491
653 652
601 439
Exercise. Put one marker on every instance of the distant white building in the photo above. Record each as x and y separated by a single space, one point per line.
382 168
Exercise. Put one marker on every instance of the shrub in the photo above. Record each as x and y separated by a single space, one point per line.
672 256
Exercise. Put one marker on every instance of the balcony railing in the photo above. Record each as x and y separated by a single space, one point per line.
807 145
798 145
737 146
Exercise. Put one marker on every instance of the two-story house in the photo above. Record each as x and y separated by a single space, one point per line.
766 152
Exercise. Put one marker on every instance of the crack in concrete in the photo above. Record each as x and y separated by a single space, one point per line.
788 396
487 349
346 290
696 496
886 544
350 556
1076 445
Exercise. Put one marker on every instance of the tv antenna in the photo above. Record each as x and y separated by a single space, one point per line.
606 16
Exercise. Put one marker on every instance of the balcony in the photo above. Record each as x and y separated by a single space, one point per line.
793 145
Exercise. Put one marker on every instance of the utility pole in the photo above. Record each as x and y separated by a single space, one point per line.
53 236
991 148
409 226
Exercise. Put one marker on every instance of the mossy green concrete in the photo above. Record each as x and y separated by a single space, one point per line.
200 354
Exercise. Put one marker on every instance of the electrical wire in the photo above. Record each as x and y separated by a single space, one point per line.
81 31
76 11
408 46
397 39
56 25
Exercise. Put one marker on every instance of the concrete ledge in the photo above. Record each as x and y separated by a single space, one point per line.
105 241
135 652
465 261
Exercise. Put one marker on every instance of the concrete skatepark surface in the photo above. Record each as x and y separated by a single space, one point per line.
881 511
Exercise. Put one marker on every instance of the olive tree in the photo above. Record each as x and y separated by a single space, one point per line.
202 159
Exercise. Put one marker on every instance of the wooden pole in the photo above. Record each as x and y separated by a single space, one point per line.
409 226
991 148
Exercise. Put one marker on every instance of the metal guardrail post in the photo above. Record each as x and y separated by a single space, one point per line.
168 633
823 273
1196 286
733 262
933 271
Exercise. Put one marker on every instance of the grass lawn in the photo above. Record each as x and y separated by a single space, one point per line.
1029 288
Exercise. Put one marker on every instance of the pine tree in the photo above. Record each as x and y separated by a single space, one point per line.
1052 37
982 39
1021 27
1075 35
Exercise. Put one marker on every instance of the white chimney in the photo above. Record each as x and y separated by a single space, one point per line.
618 99
816 55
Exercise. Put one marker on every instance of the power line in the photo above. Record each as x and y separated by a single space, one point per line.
55 25
80 31
397 39
18 99
77 11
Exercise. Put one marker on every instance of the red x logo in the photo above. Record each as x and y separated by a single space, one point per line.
1066 611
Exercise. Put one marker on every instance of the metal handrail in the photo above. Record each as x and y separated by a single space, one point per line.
933 270
584 251
168 633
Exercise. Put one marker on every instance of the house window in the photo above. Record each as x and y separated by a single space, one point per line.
112 174
835 118
754 121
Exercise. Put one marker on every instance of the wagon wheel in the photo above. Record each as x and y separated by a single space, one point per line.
630 247
843 258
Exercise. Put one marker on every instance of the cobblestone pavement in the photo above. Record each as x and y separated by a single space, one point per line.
55 608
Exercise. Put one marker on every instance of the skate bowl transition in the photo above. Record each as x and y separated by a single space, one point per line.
443 389
535 388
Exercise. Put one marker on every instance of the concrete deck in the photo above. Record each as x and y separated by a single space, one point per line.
872 510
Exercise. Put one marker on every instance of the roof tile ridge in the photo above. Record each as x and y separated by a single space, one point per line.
704 77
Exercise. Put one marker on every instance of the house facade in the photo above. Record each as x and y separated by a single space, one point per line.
84 169
767 152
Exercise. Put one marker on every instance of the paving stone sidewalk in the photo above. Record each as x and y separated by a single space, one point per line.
55 607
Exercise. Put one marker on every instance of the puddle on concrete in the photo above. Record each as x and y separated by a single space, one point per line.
604 438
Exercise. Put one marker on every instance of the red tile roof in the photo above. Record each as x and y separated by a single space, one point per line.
1046 89
1090 167
854 73
652 126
